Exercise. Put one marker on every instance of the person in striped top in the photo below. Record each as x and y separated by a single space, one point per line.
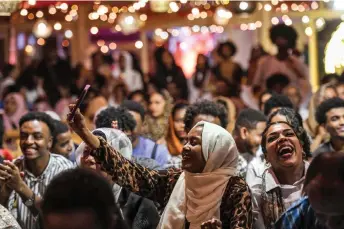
29 175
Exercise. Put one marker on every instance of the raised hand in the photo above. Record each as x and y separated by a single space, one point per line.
212 224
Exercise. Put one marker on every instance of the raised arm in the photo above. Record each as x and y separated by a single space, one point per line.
155 185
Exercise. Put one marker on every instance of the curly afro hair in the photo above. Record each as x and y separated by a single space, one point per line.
326 106
229 44
126 121
205 107
287 32
277 101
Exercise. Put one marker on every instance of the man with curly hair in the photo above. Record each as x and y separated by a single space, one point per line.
284 62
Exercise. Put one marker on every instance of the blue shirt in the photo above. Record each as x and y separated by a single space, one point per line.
145 149
299 216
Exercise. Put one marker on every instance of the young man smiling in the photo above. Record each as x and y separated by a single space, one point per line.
29 175
330 114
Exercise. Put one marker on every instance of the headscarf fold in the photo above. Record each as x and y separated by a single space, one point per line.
197 196
11 122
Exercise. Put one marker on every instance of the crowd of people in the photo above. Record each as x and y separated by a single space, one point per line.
163 151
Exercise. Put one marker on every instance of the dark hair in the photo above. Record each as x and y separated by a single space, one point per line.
135 107
137 92
277 79
205 107
59 128
39 116
329 78
126 121
277 101
326 106
272 93
78 189
296 122
178 106
249 118
230 45
2 131
8 68
287 32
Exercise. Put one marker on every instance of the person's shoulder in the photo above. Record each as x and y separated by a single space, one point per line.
323 148
61 161
237 184
294 214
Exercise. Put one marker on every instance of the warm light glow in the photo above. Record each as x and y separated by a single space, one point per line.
220 29
23 12
164 35
258 24
183 1
222 16
139 44
32 2
52 10
64 6
100 43
65 43
243 5
334 58
75 7
112 46
115 9
39 14
196 28
267 7
118 28
305 19
274 2
68 34
73 13
68 18
294 7
129 20
244 27
204 29
31 16
184 46
309 31
131 9
274 20
143 17
320 23
338 4
104 49
175 32
204 15
94 16
284 7
57 26
40 41
190 17
103 17
28 49
314 5
301 8
288 22
42 29
174 6
342 17
285 18
94 30
195 11
112 15
251 26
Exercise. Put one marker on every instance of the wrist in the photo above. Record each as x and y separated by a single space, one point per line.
22 188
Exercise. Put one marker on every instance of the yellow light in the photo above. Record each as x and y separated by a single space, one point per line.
103 17
28 49
57 26
288 22
284 7
118 28
94 30
139 44
64 6
104 49
23 12
40 41
112 15
102 10
183 1
314 5
68 18
244 27
301 8
207 6
309 31
115 9
73 13
112 46
267 7
274 2
31 16
39 14
52 10
100 43
190 17
131 9
204 15
305 19
68 34
320 23
334 59
258 24
294 7
285 17
143 17
75 7
32 2
274 20
174 6
65 43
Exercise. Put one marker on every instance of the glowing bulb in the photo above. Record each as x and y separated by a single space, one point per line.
195 11
32 2
196 28
57 26
305 19
267 7
164 35
40 41
320 23
288 22
23 12
39 14
68 18
112 46
309 31
314 5
274 2
104 49
102 10
143 17
28 49
174 6
244 27
100 43
94 30
64 6
258 24
68 34
129 20
183 46
52 10
284 7
274 20
243 5
138 44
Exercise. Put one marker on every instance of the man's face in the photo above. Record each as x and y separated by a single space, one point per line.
252 138
137 117
35 139
64 144
340 91
335 122
79 219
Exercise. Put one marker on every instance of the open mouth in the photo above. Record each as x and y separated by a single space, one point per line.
185 156
285 151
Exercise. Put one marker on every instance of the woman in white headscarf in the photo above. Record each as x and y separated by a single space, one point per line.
206 192
138 212
124 71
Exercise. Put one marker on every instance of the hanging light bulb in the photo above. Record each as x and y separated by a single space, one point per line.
222 16
129 22
42 29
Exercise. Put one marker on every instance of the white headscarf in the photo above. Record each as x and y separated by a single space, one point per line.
198 196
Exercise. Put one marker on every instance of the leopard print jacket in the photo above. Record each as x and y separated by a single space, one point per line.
236 206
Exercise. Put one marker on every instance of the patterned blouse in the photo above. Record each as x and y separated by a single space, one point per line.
236 206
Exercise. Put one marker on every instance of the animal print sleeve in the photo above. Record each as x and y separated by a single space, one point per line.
152 184
238 205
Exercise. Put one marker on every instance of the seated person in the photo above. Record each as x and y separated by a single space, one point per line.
62 141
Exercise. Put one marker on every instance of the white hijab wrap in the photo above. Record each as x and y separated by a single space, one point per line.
198 196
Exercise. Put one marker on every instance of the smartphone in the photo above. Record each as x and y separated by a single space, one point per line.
79 102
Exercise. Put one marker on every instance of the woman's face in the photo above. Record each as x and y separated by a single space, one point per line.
10 105
283 148
178 123
167 58
193 160
157 105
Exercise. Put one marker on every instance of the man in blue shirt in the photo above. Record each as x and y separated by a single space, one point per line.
129 118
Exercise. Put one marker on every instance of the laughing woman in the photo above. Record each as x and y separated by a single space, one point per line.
204 195
282 182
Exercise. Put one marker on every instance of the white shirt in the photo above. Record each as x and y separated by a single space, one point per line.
290 193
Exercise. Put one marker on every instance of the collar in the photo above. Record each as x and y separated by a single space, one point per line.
271 181
43 175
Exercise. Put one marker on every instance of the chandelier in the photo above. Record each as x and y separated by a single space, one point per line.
8 6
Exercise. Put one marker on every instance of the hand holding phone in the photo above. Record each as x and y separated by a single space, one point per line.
78 103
